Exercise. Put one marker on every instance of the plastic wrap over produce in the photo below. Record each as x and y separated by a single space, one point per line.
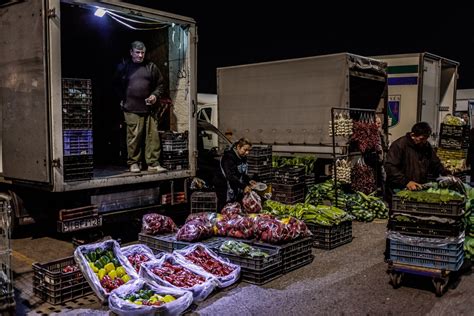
425 242
170 271
226 273
111 272
237 227
252 202
138 254
154 224
143 298
272 230
198 226
231 210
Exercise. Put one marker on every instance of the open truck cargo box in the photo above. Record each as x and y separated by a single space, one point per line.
288 103
45 42
421 87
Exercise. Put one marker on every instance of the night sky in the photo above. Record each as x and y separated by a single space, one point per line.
241 32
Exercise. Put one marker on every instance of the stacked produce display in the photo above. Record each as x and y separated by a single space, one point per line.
260 163
453 144
426 232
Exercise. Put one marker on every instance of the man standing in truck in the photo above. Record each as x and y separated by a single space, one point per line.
139 84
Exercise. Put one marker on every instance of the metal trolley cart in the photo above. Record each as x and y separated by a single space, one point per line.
440 277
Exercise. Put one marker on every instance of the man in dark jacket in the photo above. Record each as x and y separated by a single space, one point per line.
139 85
234 167
411 159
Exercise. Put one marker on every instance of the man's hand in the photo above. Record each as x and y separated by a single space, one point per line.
150 100
413 186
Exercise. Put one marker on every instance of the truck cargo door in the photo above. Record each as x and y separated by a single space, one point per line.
23 92
430 93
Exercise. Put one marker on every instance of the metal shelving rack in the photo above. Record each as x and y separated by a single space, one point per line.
356 114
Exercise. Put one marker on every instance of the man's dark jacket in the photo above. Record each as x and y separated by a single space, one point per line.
407 162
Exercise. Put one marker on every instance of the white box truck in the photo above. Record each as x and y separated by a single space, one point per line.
45 43
288 103
421 87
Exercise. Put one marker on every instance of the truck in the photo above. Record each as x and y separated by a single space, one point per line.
62 130
287 103
421 87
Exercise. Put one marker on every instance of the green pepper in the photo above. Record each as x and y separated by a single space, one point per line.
110 254
92 256
115 262
104 260
98 264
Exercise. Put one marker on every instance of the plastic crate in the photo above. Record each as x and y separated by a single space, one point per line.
454 130
77 116
293 254
203 202
76 91
257 263
330 237
288 193
289 175
423 229
448 154
160 243
259 277
78 167
260 150
77 142
449 256
452 208
54 286
176 164
7 299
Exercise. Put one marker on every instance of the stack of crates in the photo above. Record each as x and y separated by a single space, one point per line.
288 185
453 145
260 163
7 301
203 202
174 150
77 129
427 235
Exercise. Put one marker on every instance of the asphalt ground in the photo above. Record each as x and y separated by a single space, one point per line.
349 280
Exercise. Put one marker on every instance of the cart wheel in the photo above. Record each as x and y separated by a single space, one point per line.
440 285
396 279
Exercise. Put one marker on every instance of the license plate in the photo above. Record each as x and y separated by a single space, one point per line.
80 224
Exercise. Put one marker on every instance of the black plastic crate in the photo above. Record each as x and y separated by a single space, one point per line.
54 286
256 263
288 193
452 208
330 237
77 116
176 164
78 167
203 202
293 254
76 91
159 243
259 277
454 130
261 150
297 262
171 155
423 229
289 175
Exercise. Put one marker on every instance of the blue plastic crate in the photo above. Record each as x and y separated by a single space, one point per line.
448 257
